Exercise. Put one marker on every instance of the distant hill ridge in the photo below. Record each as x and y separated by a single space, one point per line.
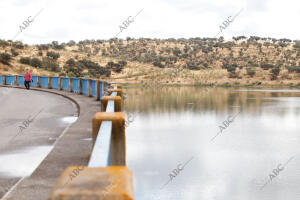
193 61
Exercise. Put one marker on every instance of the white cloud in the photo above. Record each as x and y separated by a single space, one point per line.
90 19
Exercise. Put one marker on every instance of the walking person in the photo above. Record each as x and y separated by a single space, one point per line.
27 79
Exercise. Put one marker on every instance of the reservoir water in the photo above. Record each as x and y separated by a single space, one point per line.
213 143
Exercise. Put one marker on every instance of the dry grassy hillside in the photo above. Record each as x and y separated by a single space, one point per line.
195 61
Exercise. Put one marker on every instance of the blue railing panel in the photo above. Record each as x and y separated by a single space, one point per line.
84 86
10 80
55 82
75 85
35 80
65 83
101 89
94 88
101 152
44 81
1 79
21 80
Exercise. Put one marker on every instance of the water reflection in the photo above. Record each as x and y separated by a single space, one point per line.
69 120
175 124
194 99
26 159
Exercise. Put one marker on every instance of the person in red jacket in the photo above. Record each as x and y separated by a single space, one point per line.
27 79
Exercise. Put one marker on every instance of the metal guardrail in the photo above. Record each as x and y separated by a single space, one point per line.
107 164
89 87
110 106
101 152
108 157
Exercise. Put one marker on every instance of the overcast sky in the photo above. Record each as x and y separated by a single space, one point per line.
65 20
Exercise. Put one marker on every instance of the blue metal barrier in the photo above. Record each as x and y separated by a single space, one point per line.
21 80
10 80
94 88
54 83
75 85
84 86
34 83
101 89
44 81
65 83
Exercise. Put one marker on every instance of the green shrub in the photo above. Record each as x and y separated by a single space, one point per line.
176 51
25 60
71 62
3 43
71 74
231 68
18 45
116 67
293 69
73 68
122 63
275 71
233 75
55 45
14 53
95 70
43 47
35 62
5 58
266 66
50 65
89 64
158 64
193 67
250 72
53 55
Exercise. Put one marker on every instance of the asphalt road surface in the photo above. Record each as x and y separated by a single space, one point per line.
30 123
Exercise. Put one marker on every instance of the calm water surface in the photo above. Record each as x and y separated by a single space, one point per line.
257 132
